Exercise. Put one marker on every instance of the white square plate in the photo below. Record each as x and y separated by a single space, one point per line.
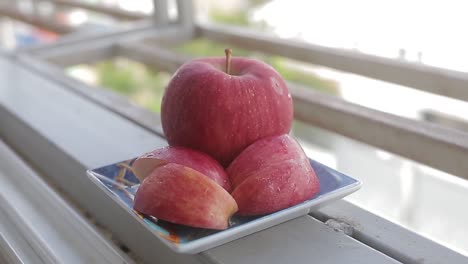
118 181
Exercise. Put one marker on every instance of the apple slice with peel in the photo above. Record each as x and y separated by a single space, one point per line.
196 160
181 195
271 174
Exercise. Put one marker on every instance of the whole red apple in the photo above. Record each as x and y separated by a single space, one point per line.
221 105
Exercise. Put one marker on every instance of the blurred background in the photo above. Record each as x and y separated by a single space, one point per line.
418 197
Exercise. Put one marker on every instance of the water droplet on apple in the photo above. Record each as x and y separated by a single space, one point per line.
276 86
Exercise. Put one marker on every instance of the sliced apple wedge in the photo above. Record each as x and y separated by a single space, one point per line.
271 174
182 195
196 160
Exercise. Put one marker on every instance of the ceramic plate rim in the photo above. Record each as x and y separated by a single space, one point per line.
236 232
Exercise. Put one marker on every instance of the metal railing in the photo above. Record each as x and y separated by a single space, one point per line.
434 145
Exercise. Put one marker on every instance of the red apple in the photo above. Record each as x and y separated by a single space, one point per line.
219 111
196 160
181 195
272 174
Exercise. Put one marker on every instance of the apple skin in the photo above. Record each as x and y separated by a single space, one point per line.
201 162
181 195
221 114
272 174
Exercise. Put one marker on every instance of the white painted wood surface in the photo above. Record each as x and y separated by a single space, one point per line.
40 227
161 12
310 241
9 255
186 14
387 237
63 134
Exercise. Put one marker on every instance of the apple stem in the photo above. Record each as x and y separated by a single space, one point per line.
228 53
